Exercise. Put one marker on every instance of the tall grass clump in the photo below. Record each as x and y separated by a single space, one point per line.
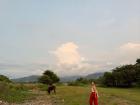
14 93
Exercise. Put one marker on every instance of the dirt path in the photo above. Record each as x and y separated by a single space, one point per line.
41 99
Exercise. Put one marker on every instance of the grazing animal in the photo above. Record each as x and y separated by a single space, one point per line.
51 88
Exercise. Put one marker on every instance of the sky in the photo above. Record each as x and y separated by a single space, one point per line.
69 37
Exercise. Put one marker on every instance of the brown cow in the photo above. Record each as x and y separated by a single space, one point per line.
51 88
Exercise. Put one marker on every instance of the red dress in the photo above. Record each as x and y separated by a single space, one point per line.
93 98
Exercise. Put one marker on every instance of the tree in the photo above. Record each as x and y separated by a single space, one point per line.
82 80
45 79
108 79
138 61
137 68
4 78
123 76
49 77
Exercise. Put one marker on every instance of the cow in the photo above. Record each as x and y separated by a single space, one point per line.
51 88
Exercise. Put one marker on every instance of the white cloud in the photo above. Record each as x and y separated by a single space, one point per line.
68 54
71 62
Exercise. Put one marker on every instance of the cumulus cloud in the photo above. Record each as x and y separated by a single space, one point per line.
68 54
70 61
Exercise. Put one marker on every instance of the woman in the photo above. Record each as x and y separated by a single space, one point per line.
93 95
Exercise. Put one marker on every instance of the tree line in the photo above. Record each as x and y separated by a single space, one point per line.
123 76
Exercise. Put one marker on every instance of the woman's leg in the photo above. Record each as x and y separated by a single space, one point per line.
91 99
95 99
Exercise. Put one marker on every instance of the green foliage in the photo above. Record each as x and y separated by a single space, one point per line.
123 76
76 84
48 77
13 93
4 79
137 68
45 79
108 79
82 80
138 61
20 87
43 87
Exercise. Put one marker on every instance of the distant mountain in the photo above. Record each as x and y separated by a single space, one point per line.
94 75
32 78
69 78
73 78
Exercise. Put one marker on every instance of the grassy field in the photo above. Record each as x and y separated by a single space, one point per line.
71 95
74 95
14 93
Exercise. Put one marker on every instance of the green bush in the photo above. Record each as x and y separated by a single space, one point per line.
76 84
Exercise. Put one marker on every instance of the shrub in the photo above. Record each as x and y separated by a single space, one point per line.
4 79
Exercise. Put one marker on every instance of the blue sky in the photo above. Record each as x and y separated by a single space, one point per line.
97 35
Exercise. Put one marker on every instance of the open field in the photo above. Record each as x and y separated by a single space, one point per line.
74 95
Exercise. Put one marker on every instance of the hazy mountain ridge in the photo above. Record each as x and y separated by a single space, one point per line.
34 78
94 75
69 78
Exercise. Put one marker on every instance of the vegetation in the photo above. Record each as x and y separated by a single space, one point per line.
4 79
14 92
82 82
42 87
79 95
48 77
123 76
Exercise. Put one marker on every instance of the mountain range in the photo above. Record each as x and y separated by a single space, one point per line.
34 78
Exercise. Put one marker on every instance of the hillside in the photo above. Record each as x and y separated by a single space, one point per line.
32 78
69 78
94 75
